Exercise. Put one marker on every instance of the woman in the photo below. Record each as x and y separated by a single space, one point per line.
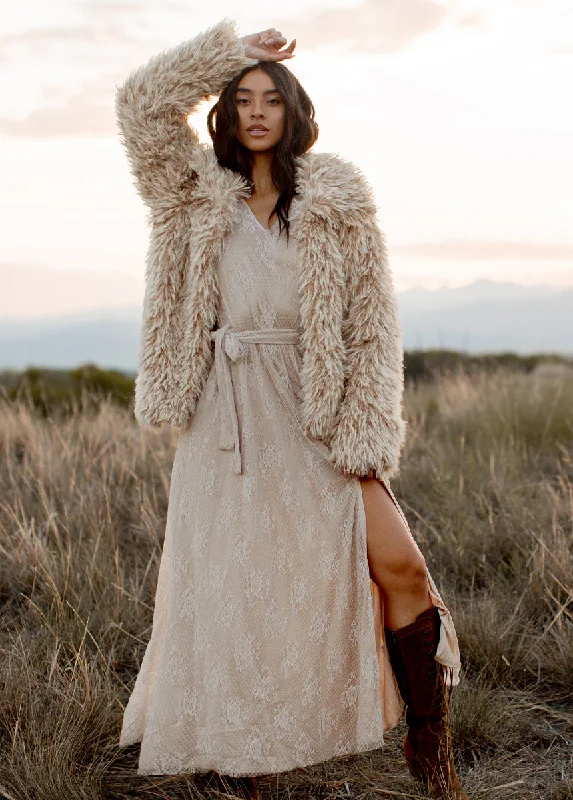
294 615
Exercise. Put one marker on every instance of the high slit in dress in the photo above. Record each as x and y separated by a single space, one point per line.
266 652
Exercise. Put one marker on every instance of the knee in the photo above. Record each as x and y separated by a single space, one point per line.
406 573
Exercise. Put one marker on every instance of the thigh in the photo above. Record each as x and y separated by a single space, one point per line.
391 546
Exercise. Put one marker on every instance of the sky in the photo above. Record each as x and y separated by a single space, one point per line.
456 112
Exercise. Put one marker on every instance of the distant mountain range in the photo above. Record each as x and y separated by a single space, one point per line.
484 316
35 292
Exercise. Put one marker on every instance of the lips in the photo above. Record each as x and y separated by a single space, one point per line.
257 133
257 128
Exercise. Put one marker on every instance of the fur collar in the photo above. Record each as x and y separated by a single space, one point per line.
328 187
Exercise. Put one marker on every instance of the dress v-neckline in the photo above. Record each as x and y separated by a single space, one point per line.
257 220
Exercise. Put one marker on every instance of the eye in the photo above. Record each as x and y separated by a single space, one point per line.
274 100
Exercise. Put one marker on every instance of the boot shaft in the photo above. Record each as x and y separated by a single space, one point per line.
412 652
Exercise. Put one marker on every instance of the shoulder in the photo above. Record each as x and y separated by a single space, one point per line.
330 184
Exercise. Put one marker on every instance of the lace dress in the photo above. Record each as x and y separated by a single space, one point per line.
265 653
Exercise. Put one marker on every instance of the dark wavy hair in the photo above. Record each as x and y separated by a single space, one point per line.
299 134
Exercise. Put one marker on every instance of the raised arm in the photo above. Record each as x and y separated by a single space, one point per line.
370 430
153 102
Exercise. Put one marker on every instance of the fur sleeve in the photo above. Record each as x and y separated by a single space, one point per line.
370 431
154 100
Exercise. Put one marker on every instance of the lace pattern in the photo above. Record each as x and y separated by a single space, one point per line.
264 654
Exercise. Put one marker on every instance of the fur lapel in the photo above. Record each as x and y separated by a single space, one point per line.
214 208
329 197
329 187
326 198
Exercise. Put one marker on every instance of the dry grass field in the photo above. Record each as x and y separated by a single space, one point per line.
487 485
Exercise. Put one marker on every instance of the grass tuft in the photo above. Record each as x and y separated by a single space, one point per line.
487 485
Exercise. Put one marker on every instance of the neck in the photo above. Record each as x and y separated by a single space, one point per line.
261 174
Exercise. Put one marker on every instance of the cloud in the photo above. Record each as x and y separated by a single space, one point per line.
474 19
104 23
468 250
37 40
375 26
105 27
88 112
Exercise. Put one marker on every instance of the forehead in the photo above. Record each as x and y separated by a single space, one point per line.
256 81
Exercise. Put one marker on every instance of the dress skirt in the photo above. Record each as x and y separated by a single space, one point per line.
267 648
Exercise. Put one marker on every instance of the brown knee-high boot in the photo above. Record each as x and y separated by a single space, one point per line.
427 746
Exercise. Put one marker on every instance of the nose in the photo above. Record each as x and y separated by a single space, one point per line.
257 110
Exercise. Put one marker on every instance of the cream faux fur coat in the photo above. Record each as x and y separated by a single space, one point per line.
352 358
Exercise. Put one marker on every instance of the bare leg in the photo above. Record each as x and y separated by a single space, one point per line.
396 563
399 570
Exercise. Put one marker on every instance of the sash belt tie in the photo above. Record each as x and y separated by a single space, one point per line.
230 345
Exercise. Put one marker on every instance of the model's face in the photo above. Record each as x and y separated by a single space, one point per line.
259 104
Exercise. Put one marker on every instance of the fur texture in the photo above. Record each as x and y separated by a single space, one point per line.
352 357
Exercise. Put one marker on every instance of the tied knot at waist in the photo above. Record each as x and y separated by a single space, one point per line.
231 344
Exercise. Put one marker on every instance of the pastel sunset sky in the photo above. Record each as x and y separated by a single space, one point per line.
456 111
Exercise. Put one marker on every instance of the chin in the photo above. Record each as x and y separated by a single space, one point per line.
258 147
266 149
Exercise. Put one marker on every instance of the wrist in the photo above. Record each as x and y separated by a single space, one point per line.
246 44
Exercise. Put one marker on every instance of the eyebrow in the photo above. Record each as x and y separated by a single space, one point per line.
267 91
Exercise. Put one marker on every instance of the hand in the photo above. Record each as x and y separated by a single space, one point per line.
265 45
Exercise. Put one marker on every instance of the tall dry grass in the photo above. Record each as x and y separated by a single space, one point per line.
487 485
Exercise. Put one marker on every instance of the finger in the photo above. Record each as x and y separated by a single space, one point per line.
264 36
275 41
287 50
286 53
284 56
